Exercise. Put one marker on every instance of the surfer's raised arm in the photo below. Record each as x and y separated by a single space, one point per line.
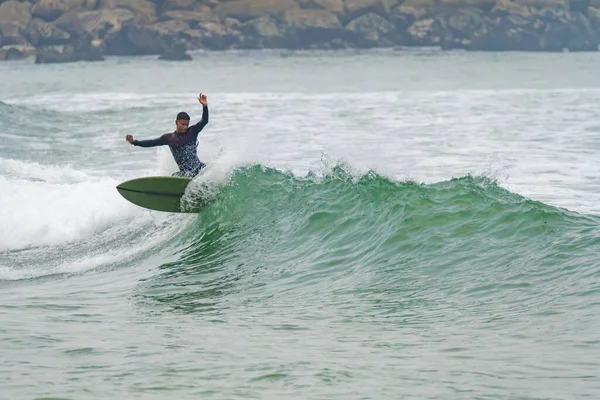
202 99
160 141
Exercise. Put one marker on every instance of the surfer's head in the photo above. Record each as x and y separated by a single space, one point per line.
182 122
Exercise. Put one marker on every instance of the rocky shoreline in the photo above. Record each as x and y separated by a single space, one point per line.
74 30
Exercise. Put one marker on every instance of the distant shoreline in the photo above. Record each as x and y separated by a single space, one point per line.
283 52
55 31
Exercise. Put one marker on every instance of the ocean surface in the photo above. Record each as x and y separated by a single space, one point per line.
377 225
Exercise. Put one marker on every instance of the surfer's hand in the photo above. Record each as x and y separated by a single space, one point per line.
129 138
202 99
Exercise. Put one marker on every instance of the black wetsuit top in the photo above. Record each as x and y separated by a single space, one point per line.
184 146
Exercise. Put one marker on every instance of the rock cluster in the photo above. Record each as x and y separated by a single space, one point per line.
72 30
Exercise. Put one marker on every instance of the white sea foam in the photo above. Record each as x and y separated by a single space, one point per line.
39 213
52 228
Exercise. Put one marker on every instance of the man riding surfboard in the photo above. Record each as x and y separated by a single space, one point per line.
183 142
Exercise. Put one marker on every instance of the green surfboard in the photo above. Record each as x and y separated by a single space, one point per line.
158 193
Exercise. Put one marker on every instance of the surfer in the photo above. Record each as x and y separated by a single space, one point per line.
183 143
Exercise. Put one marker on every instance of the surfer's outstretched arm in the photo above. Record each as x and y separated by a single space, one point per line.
160 141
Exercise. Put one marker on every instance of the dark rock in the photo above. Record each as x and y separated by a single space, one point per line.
245 10
71 23
174 31
144 10
102 24
73 30
372 30
170 5
261 33
338 44
14 18
176 52
79 50
303 19
579 5
163 37
307 28
426 32
594 16
134 39
16 52
571 31
452 5
209 3
461 27
55 54
356 8
49 10
335 6
219 36
407 13
192 18
513 26
45 33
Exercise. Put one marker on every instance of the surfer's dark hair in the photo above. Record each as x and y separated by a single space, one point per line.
183 115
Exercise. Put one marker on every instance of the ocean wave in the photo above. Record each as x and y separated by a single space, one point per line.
334 232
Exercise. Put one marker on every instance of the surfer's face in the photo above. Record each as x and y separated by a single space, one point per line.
182 125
